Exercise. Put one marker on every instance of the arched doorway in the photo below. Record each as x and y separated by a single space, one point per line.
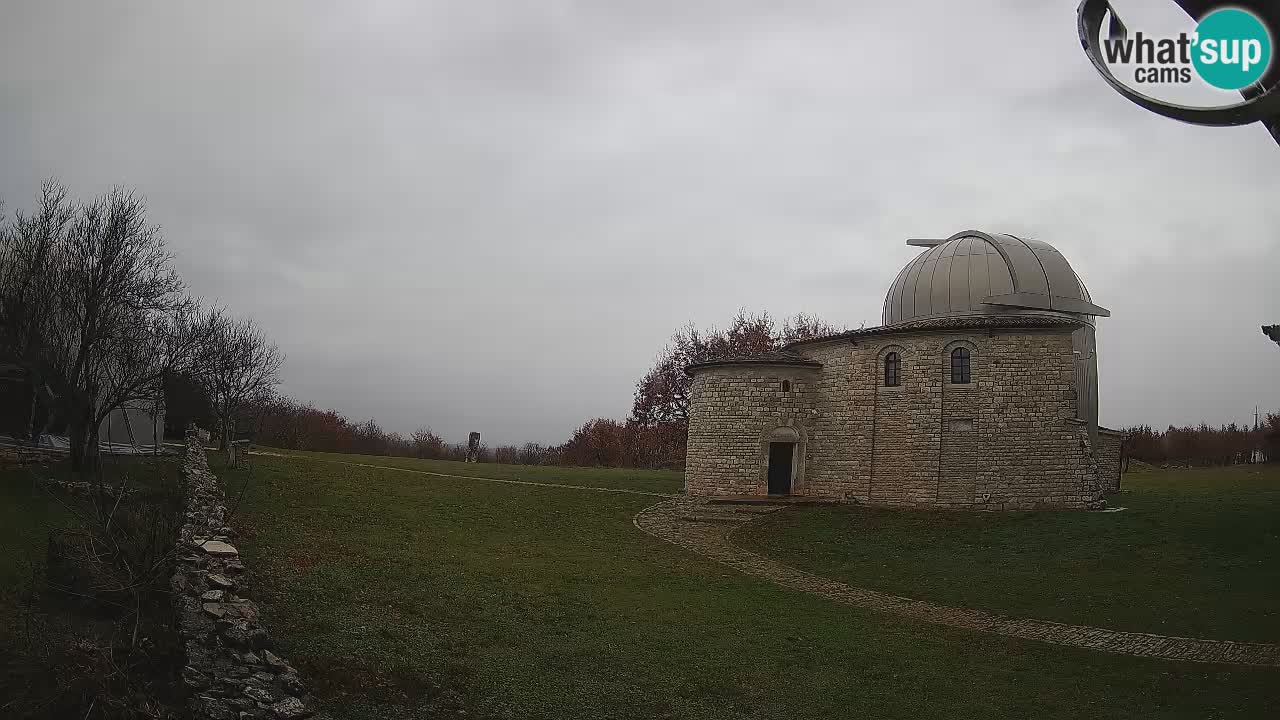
782 460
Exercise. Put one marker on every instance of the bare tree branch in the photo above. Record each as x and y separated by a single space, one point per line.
239 367
93 310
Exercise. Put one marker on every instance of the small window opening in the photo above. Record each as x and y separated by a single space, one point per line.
960 366
892 365
786 386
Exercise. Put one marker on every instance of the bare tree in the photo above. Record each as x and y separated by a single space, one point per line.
142 357
805 327
117 284
1273 332
91 306
531 454
239 367
662 395
29 264
428 445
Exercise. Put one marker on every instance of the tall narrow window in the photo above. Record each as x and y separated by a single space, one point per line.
960 366
891 366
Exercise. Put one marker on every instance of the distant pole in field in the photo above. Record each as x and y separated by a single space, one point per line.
473 447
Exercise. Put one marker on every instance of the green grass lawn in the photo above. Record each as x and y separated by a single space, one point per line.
660 481
27 514
62 653
1195 553
404 595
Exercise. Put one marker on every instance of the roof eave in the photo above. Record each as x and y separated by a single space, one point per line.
938 324
799 364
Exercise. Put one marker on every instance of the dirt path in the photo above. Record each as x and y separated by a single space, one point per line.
707 530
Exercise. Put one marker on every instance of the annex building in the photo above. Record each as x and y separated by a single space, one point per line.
979 391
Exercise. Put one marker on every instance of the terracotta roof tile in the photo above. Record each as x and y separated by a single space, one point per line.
781 357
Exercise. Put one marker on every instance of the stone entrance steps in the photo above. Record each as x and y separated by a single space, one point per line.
775 501
735 511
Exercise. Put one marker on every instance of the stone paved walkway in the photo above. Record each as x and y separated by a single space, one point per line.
706 530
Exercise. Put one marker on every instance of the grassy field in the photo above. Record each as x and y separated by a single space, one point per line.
67 652
660 481
27 514
29 511
1195 553
406 595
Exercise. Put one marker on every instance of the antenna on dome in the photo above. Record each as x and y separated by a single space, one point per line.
925 242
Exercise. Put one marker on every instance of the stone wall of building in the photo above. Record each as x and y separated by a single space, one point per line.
840 427
732 411
1007 440
1027 450
231 672
1110 458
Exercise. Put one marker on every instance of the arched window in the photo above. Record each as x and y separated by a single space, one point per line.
891 367
786 386
960 366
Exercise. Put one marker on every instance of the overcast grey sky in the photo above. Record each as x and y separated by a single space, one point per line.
491 215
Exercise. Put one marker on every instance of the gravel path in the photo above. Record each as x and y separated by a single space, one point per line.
707 530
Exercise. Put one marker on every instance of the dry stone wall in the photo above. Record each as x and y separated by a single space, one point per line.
1007 440
231 672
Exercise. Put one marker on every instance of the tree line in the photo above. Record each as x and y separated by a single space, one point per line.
653 437
1203 445
285 423
94 317
655 434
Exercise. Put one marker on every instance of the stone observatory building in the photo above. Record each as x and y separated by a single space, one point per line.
979 391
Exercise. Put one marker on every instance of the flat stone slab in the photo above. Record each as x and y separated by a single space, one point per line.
221 581
273 660
218 548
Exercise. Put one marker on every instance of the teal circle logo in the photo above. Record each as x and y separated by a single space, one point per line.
1232 49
